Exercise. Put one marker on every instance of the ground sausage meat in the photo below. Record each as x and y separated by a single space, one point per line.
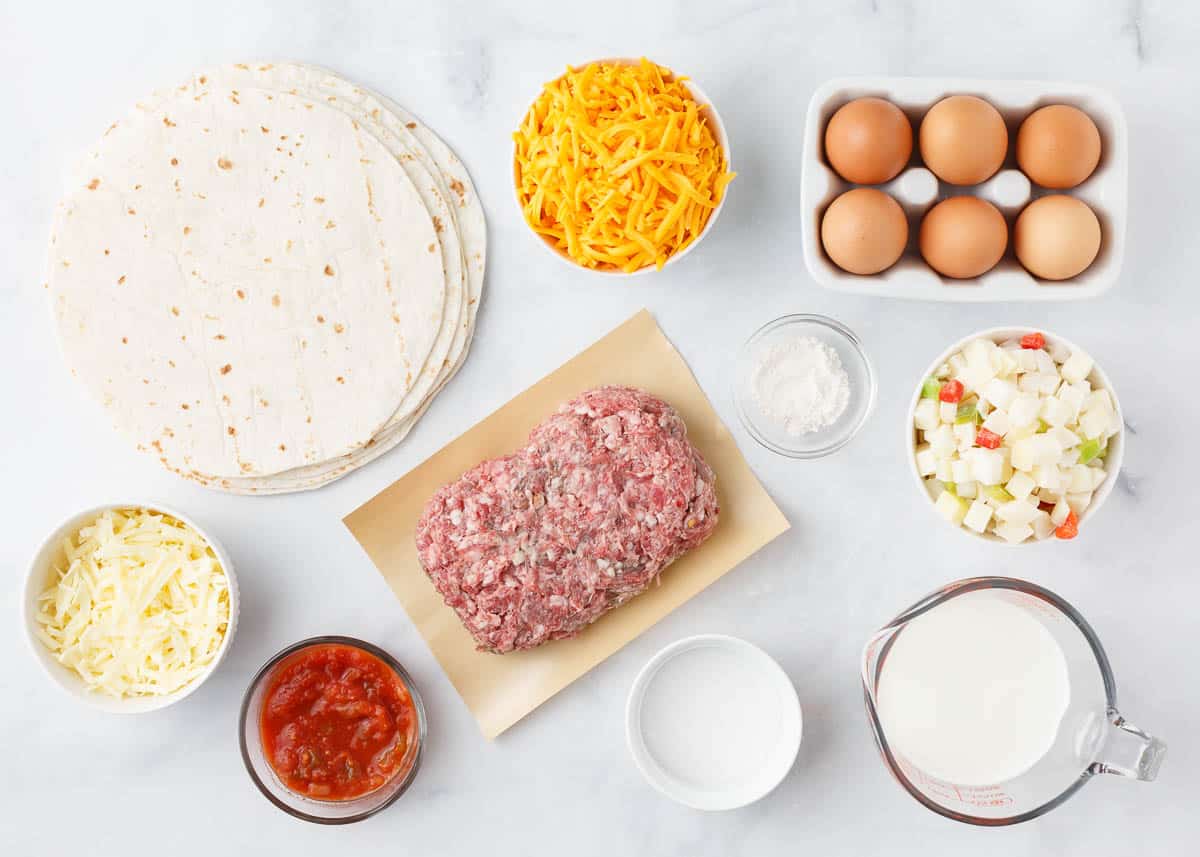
537 545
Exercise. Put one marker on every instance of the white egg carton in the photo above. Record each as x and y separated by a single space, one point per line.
918 190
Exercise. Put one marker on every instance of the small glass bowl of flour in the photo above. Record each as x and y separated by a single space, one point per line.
803 386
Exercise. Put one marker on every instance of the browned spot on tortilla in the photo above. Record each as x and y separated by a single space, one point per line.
124 340
175 310
410 125
283 136
241 295
132 211
457 187
308 419
174 162
93 184
226 369
328 271
157 445
431 246
220 337
168 122
329 224
339 327
264 129
66 264
262 201
320 319
283 447
246 468
225 399
232 431
341 380
171 363
267 259
225 163
121 280
395 318
203 79
437 223
105 251
318 199
274 300
264 403
234 98
187 230
185 406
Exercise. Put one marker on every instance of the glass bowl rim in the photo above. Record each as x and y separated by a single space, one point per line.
371 649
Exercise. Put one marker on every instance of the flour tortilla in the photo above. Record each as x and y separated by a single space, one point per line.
223 362
407 138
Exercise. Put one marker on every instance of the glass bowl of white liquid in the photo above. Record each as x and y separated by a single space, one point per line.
803 386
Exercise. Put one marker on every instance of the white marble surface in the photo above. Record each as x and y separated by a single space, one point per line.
862 544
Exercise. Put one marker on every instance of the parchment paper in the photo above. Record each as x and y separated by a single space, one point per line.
501 689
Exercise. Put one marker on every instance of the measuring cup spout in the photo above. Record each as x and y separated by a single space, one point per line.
1129 752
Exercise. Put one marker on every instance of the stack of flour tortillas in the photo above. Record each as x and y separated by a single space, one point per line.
266 275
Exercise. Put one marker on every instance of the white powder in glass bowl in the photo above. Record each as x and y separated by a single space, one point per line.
800 384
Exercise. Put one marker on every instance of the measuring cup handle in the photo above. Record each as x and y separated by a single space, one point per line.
1129 752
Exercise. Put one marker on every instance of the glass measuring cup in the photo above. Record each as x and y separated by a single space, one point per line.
1092 738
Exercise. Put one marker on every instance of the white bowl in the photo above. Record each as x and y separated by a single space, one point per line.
917 189
39 576
1099 381
709 111
755 719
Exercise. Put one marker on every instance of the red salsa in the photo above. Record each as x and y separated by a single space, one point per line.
336 722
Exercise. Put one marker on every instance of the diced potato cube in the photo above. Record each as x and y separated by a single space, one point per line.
926 463
967 490
1026 360
1060 512
1078 501
943 371
941 441
1000 392
1073 398
1045 364
1098 400
956 363
1114 425
1046 495
1023 410
943 471
979 352
1058 351
964 435
1037 449
977 516
1020 486
1077 367
1017 512
1065 437
960 471
926 415
1055 411
935 487
1013 533
987 465
1081 479
1098 477
1043 527
947 412
952 508
1094 423
1030 382
997 422
1048 476
1004 363
1018 434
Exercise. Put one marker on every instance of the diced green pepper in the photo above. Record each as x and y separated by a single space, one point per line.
931 388
951 487
1089 450
998 493
967 413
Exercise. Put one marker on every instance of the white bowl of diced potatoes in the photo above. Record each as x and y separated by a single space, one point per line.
1015 435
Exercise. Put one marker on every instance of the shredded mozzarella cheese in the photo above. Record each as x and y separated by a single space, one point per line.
617 167
140 608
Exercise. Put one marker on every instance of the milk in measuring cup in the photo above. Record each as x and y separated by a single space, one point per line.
973 692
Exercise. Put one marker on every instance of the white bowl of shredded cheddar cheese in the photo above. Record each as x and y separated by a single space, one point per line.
654 191
130 607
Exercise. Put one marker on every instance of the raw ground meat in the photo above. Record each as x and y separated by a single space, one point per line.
537 545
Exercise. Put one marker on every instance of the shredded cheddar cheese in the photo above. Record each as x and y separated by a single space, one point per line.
616 166
139 607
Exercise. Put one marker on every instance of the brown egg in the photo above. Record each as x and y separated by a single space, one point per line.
963 237
868 141
1056 237
1058 146
963 140
864 231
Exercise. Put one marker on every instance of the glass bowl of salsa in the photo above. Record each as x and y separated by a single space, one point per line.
332 729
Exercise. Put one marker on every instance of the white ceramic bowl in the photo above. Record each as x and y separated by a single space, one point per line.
1099 381
917 189
39 575
743 744
709 111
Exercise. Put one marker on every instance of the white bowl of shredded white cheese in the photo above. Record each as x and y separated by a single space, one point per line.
129 607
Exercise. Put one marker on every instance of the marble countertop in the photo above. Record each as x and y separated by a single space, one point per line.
862 543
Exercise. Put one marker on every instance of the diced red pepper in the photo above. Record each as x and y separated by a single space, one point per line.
1033 341
1069 528
952 392
987 439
